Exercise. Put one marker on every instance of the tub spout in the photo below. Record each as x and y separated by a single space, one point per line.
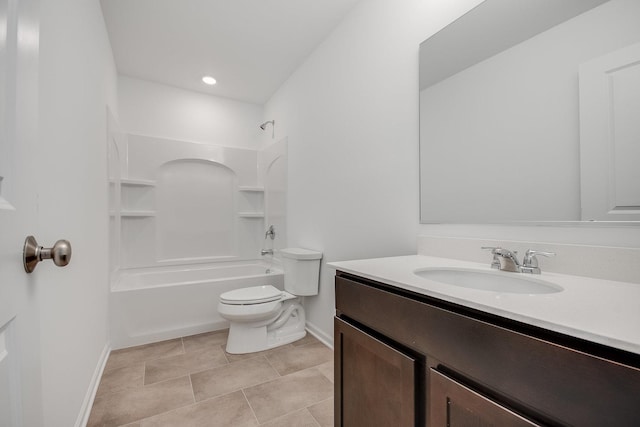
264 252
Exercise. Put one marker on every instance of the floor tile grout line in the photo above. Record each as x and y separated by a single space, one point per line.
203 370
193 393
317 403
296 410
159 413
273 367
308 344
250 407
312 416
189 371
192 404
145 360
224 352
238 389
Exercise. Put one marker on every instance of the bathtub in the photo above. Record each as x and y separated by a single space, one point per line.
154 304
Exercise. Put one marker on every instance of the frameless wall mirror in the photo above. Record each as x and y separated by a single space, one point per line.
502 112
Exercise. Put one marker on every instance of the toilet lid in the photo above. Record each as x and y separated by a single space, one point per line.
252 295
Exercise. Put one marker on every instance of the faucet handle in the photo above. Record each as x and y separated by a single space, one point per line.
530 262
530 259
495 263
271 232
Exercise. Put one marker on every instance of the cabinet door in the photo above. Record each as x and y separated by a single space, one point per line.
453 405
375 383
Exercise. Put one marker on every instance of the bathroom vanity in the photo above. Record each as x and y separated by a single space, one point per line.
414 352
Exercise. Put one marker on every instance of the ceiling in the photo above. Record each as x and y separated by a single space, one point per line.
250 46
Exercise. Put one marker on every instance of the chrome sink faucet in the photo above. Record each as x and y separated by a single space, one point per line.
506 260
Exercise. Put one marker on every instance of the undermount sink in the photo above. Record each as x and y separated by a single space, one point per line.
494 281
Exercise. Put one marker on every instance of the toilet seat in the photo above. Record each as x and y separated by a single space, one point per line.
251 295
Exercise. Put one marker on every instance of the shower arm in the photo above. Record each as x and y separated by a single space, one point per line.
273 127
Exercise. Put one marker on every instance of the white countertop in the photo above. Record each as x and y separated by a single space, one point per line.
602 311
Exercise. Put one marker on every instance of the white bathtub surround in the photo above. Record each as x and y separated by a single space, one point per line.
188 223
602 311
154 304
601 262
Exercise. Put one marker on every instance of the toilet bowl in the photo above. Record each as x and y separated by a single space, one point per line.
264 317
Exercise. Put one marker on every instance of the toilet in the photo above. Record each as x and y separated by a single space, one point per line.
264 317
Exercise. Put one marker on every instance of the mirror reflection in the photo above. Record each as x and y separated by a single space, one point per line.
500 114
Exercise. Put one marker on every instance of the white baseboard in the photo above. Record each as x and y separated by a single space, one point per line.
320 335
87 404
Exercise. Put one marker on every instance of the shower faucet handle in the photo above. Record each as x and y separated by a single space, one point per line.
271 232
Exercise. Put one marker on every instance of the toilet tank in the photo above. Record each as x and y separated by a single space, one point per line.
301 271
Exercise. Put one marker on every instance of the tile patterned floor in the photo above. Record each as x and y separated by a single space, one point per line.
192 381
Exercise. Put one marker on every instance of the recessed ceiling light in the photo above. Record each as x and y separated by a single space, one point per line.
209 80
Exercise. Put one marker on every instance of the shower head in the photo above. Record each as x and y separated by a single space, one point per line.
273 127
264 125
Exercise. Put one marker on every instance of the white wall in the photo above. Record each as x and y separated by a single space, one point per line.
77 82
350 113
153 109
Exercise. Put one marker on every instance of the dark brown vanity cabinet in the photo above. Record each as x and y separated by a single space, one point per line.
453 404
405 359
365 364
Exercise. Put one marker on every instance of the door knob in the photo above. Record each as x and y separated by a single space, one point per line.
60 253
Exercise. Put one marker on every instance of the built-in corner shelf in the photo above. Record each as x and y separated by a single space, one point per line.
133 182
251 214
251 202
247 188
137 214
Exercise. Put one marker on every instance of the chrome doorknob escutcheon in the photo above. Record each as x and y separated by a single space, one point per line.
60 253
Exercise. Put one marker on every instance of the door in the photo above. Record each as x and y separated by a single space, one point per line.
452 404
376 383
20 379
610 136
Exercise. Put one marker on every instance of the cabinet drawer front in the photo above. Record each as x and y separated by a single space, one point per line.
451 404
376 384
545 380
